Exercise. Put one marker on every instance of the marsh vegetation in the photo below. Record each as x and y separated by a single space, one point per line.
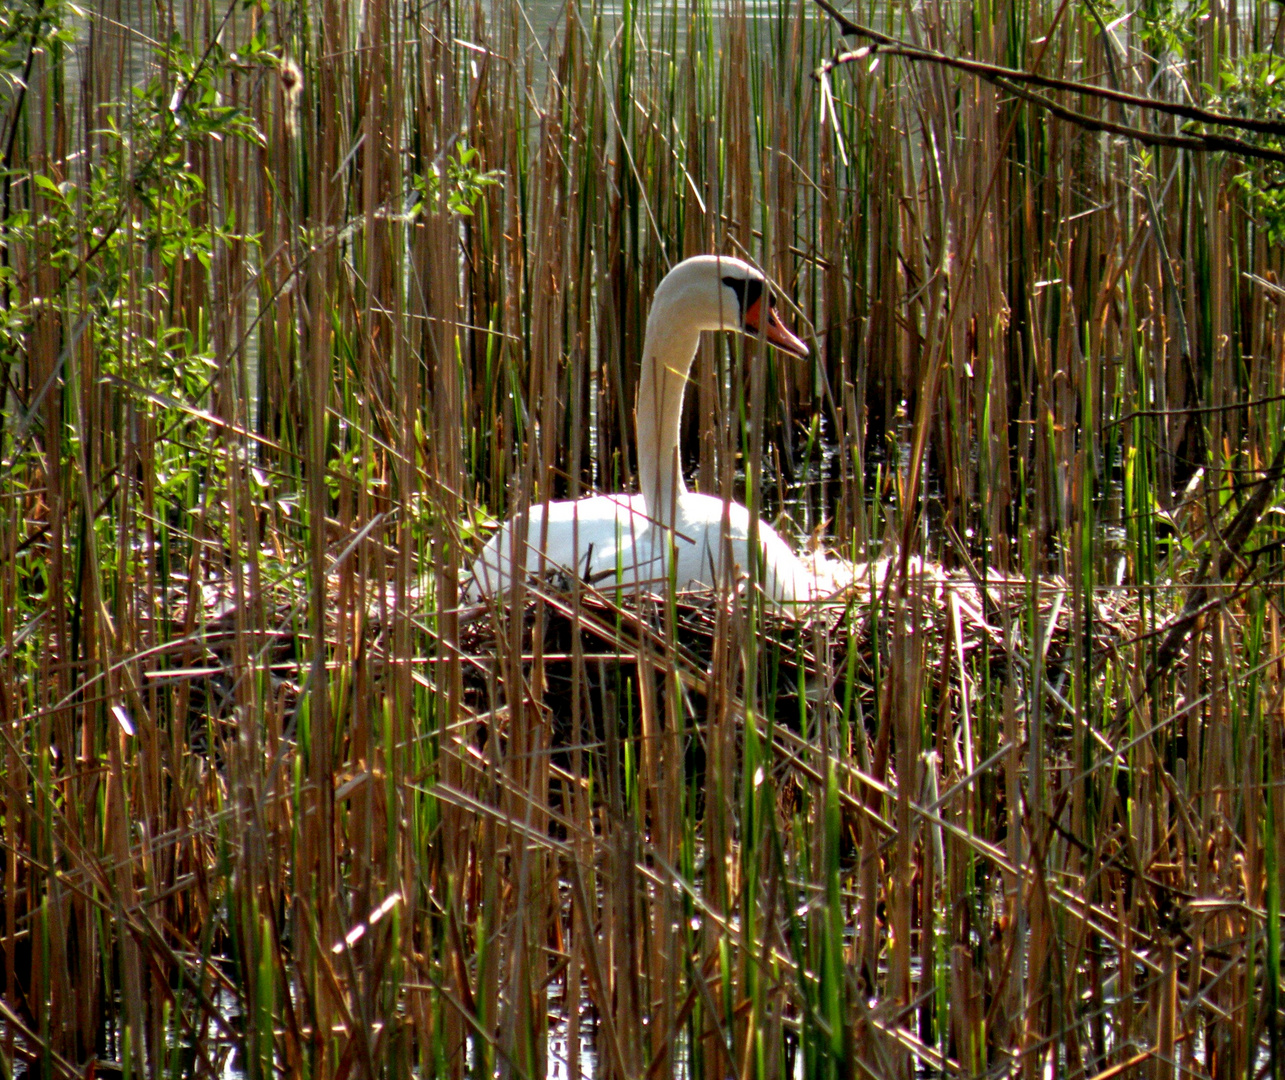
298 299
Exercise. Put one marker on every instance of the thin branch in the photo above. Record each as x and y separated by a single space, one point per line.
1010 78
1203 143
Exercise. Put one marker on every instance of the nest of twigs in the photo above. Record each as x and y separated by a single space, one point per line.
571 644
577 655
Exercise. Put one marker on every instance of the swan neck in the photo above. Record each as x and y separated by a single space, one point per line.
668 352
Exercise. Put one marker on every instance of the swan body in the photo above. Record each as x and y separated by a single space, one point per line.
665 533
615 542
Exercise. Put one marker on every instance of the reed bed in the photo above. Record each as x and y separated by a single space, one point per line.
298 299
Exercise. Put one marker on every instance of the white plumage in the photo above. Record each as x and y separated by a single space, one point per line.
627 540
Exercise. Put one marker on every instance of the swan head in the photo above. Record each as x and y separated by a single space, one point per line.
719 292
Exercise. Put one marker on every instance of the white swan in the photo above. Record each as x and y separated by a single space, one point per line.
611 540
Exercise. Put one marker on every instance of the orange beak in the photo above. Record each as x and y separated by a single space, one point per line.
775 331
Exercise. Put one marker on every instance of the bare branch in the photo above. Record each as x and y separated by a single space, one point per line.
1014 81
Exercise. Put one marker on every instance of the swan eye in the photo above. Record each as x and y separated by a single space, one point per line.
749 291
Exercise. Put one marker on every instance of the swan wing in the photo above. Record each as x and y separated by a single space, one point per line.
603 540
700 552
